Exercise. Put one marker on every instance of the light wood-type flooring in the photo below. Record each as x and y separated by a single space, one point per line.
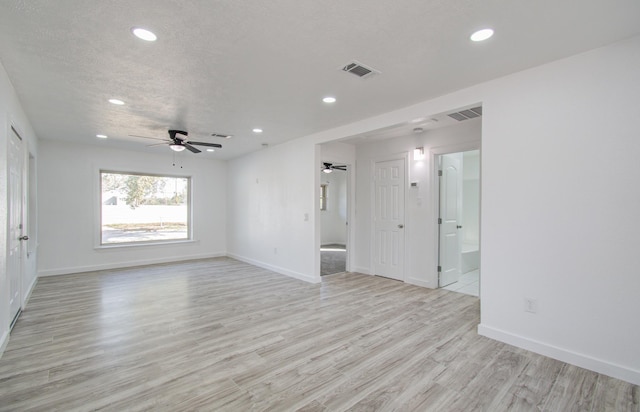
221 335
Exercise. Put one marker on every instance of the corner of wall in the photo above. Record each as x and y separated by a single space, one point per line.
276 269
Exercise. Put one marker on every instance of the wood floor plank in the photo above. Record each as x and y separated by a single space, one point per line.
218 334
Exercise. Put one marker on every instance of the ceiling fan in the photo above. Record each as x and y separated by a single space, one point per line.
330 167
178 141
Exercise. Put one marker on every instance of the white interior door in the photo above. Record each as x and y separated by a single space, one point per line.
14 217
388 250
450 213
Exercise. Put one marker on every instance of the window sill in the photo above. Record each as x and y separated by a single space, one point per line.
142 244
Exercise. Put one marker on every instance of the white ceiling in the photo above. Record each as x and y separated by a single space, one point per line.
228 66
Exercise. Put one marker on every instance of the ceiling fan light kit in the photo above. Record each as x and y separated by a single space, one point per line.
330 167
178 142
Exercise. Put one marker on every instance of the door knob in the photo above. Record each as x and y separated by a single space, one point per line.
400 226
459 227
23 238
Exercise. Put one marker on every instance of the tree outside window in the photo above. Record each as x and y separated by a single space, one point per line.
138 208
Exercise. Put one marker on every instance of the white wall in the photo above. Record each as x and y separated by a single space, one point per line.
338 152
68 215
559 205
334 218
273 204
421 211
471 198
11 113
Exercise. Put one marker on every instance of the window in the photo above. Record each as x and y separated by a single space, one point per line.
323 197
137 208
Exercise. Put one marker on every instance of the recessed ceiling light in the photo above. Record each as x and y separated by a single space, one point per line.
101 136
256 130
211 150
143 34
329 99
481 35
116 101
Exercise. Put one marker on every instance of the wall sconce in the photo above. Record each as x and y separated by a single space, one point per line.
418 153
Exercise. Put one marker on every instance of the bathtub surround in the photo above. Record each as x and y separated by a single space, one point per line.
470 211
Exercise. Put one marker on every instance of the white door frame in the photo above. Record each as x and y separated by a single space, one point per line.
435 153
13 129
404 156
30 219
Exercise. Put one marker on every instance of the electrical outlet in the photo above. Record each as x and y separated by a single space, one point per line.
530 305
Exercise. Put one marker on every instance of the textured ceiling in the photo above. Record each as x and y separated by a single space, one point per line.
228 66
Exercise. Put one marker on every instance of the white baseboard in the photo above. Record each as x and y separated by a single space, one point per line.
420 282
411 281
3 342
564 355
133 263
277 269
30 291
363 270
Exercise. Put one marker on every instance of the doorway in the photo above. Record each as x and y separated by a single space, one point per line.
459 222
334 209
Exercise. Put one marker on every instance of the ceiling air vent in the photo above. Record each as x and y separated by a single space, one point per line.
467 114
222 136
356 68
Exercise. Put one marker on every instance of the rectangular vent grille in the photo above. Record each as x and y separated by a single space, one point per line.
358 69
467 114
223 136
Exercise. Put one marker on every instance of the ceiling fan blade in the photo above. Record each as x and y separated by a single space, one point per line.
205 144
157 144
340 167
190 148
147 137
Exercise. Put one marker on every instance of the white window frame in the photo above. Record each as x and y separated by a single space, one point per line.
324 190
98 203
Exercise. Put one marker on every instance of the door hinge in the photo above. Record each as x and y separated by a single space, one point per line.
439 220
439 172
439 268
